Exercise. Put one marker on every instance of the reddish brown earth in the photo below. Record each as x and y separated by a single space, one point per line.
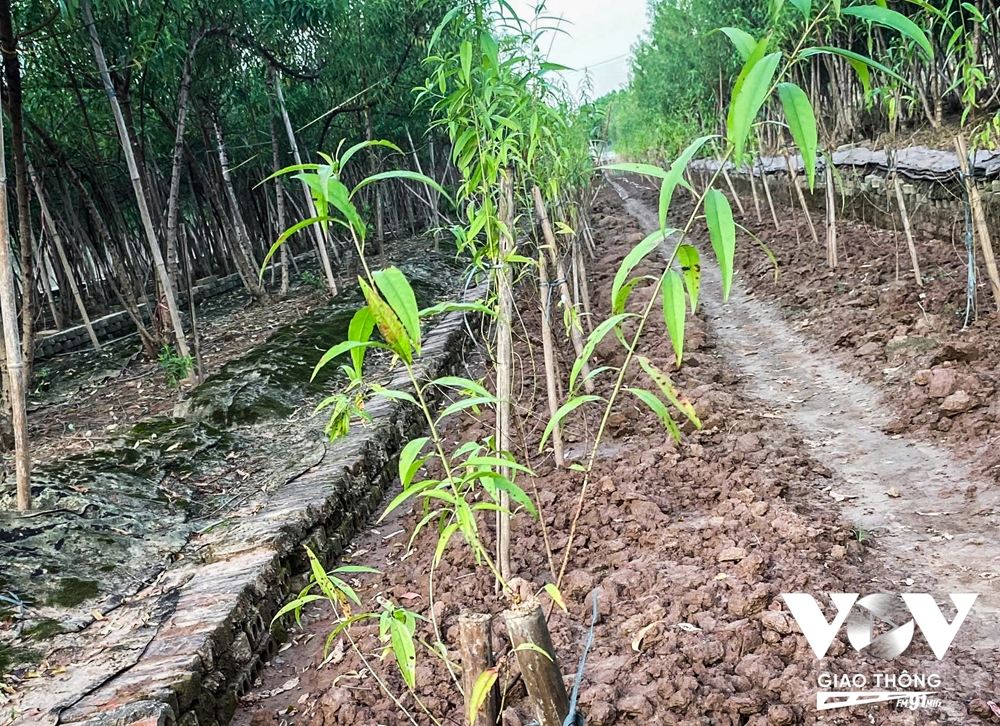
689 548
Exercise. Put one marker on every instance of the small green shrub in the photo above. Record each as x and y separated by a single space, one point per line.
175 367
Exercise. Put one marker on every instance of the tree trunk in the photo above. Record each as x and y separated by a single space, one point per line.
505 365
140 194
61 251
15 365
12 76
318 234
173 197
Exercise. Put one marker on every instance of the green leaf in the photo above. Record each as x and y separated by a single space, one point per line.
364 145
340 349
690 262
749 95
669 390
408 461
743 41
388 323
674 310
722 231
360 329
407 494
393 394
894 21
464 403
466 59
463 384
660 409
593 340
396 291
802 124
402 174
443 540
449 16
481 691
564 410
556 596
644 169
675 176
804 7
404 650
633 258
447 307
851 55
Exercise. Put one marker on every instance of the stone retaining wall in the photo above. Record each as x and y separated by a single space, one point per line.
117 325
207 619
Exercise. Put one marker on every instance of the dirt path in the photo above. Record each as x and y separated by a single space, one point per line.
935 522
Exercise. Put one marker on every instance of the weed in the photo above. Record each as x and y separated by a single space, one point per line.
175 367
311 279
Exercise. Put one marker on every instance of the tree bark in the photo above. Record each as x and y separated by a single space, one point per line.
15 365
12 76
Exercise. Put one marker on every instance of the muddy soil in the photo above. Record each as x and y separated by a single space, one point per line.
688 548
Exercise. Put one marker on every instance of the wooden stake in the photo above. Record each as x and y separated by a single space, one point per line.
897 185
15 362
756 198
802 199
732 189
475 642
576 334
545 292
767 193
546 691
982 230
831 218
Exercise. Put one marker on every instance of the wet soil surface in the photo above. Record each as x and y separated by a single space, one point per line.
688 547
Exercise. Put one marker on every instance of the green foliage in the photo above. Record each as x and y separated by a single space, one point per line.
175 367
311 279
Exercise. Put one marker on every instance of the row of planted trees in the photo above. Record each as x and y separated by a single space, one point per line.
140 137
526 182
684 65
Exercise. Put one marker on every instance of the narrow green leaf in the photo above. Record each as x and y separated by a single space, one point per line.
464 403
851 55
633 258
404 651
463 384
660 409
408 461
802 124
442 543
360 329
644 169
556 596
364 145
690 262
481 691
674 310
396 291
722 231
747 99
340 349
564 410
593 340
669 390
675 176
402 174
894 21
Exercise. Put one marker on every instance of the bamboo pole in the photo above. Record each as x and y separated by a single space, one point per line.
15 362
50 223
137 185
831 217
901 201
548 351
542 678
504 365
802 200
979 218
475 642
756 197
576 333
318 235
767 193
732 189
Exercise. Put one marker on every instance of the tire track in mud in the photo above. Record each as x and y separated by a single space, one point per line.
934 522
